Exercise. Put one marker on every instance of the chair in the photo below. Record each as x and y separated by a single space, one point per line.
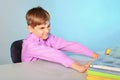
15 51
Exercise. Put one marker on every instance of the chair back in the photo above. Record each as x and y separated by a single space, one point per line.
16 48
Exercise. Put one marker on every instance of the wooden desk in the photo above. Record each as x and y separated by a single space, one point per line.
39 70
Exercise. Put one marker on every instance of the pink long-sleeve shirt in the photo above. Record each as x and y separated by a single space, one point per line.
34 48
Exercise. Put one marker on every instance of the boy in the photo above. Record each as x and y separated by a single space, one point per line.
40 44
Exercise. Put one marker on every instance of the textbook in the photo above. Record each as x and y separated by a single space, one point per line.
103 72
96 75
105 68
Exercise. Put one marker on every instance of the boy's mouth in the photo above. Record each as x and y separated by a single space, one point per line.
45 36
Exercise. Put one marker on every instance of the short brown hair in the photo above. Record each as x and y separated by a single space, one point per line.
37 16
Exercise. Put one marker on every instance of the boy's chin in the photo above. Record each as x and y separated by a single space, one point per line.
44 38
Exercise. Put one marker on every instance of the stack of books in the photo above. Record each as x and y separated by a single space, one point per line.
103 70
97 75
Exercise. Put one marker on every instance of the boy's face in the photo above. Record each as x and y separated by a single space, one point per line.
41 31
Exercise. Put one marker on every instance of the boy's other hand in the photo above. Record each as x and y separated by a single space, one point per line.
95 56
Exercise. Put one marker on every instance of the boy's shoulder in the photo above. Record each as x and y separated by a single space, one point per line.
31 38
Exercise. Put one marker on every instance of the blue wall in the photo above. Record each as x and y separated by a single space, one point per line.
94 23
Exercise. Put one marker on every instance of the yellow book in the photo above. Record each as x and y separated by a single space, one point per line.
96 74
93 77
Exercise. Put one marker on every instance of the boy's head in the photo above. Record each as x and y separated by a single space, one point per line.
38 22
37 16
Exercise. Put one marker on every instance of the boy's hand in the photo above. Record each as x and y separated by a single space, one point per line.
95 56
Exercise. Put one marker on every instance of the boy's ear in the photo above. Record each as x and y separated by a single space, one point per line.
30 29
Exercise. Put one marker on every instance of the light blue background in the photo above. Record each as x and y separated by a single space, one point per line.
94 23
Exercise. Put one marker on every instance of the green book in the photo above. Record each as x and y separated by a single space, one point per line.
102 74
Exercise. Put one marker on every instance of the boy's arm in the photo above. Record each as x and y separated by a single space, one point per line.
82 68
59 43
46 53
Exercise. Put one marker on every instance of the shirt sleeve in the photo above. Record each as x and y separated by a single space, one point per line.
69 46
46 53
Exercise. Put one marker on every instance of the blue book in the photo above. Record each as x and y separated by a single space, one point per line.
106 64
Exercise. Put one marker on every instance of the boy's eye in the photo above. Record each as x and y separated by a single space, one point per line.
48 25
42 28
45 27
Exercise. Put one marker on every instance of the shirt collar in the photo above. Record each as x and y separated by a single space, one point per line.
36 38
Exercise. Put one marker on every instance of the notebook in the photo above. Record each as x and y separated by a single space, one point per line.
106 67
